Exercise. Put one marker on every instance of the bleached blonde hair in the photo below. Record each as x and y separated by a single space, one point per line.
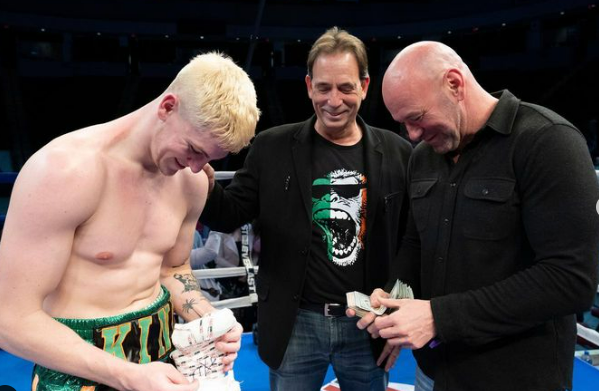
217 95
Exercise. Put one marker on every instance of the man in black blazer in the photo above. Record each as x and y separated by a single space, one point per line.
329 194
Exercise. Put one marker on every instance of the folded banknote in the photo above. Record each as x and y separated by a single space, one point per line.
360 302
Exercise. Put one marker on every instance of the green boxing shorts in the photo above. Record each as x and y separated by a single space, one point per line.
141 336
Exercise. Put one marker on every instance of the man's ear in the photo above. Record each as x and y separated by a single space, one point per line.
309 85
365 82
455 82
168 104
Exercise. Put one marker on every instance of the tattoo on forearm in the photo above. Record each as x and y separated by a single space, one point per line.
189 282
188 305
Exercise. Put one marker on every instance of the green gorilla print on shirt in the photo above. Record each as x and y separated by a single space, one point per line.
339 209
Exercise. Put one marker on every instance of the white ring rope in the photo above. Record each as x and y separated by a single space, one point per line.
221 272
587 334
226 175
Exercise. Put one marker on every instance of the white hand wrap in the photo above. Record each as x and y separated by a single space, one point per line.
196 356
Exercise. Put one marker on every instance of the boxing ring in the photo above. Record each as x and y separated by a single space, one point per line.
249 369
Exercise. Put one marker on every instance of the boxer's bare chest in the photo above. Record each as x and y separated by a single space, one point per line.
136 214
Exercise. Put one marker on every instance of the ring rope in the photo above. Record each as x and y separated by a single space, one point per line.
587 334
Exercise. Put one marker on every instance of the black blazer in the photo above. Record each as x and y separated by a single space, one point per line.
274 186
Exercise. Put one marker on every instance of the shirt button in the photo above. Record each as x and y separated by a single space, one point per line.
295 297
440 259
446 221
304 251
485 191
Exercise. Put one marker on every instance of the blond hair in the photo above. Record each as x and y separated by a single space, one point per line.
216 94
335 40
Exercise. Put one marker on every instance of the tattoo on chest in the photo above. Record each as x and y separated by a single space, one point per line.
189 282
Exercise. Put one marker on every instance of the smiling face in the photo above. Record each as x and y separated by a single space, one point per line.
337 92
180 145
429 115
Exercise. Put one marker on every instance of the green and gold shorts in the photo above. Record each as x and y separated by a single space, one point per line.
141 336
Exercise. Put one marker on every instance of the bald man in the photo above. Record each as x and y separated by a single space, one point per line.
501 244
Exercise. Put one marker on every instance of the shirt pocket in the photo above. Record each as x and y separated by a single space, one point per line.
487 214
420 201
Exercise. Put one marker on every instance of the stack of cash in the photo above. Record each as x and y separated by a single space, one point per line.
360 302
196 356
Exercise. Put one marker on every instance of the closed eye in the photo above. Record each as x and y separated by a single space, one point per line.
418 118
192 149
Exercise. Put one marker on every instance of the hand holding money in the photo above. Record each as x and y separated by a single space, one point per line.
360 302
196 356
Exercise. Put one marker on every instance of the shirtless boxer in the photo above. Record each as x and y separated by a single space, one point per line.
95 252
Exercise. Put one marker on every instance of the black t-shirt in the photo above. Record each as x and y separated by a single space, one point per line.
336 264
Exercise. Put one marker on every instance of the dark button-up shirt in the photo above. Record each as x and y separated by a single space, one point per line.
505 245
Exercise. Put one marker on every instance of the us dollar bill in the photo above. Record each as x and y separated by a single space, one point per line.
401 290
360 302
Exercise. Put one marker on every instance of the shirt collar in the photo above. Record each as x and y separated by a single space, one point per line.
501 120
503 116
